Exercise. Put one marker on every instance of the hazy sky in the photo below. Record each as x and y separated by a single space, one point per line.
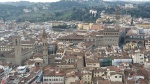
29 0
58 0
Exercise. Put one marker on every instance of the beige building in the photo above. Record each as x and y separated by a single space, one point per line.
138 57
98 72
60 52
84 26
57 23
115 77
130 46
92 64
53 75
87 77
71 38
66 66
147 42
108 36
71 77
111 36
89 26
6 47
143 25
147 64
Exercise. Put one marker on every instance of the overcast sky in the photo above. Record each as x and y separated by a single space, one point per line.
29 0
58 0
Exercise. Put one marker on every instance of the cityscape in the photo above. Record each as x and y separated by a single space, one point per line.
75 42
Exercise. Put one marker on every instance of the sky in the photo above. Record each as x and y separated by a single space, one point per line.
58 0
29 0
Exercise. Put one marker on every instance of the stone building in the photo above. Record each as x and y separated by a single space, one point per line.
17 55
72 38
135 36
111 36
106 37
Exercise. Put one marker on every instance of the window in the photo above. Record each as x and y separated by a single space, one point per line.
141 62
141 58
45 79
115 76
120 76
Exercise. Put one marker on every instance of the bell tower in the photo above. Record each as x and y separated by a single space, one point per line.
17 48
45 47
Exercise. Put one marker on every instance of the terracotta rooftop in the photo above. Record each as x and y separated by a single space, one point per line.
49 71
72 36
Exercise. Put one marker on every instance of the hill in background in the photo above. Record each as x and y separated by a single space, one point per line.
65 10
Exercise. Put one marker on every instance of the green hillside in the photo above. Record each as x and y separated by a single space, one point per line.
65 10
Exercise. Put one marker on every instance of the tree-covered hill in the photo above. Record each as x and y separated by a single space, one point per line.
65 10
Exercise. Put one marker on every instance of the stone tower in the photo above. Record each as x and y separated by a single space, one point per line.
45 47
117 16
17 48
132 22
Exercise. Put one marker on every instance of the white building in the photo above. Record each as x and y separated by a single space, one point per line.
129 6
138 58
117 62
93 12
115 77
21 69
53 80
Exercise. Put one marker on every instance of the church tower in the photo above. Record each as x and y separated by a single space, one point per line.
17 48
45 47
